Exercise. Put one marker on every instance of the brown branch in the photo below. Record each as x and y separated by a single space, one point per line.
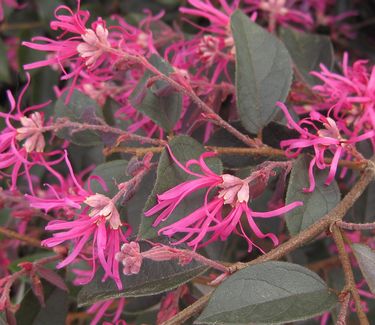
303 237
264 151
15 235
355 226
20 26
189 311
343 314
348 273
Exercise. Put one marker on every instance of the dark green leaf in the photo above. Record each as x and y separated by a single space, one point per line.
169 175
113 173
366 260
55 311
263 72
41 90
315 204
46 9
159 102
308 51
4 66
133 209
81 109
268 293
153 278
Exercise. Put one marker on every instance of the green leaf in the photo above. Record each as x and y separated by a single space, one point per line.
133 209
4 66
169 175
263 72
55 311
81 109
308 51
163 108
153 278
268 293
315 204
112 173
366 260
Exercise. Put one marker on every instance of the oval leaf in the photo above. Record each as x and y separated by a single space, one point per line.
153 278
263 72
366 260
83 109
308 51
315 204
112 173
272 292
159 102
169 175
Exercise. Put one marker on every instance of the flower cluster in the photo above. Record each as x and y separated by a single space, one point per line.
211 222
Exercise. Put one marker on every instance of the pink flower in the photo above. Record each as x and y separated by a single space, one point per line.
327 138
350 96
104 206
100 309
210 219
87 47
281 12
89 231
131 258
15 155
97 230
31 131
170 304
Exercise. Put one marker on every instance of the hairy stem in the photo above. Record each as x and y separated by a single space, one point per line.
124 135
355 226
343 314
26 239
348 273
264 151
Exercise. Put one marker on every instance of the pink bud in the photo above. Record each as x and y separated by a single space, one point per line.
131 258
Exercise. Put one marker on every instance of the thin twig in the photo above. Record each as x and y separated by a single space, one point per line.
348 273
264 151
26 239
343 314
189 311
355 226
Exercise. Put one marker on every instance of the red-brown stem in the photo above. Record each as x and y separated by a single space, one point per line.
264 151
348 273
343 314
15 235
77 127
355 226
